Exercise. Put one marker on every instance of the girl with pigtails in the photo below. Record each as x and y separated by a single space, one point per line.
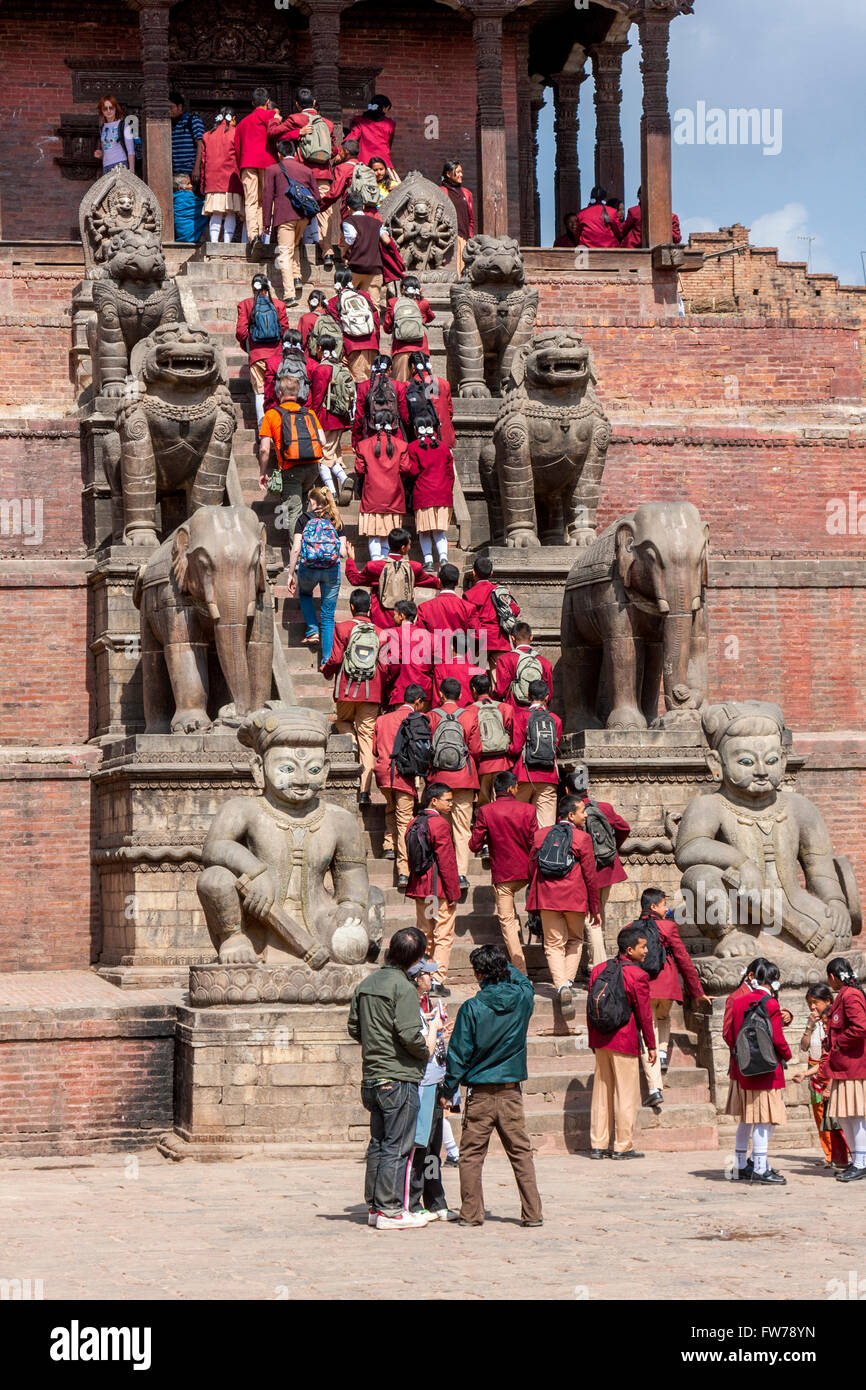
846 1063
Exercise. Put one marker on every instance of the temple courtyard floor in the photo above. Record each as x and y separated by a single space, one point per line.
667 1227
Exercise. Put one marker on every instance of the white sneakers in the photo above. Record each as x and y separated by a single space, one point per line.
403 1221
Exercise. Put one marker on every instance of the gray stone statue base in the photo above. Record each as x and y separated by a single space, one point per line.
268 1080
292 983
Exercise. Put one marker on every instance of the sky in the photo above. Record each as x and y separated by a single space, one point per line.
797 58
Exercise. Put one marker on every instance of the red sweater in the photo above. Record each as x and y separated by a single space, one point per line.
465 776
357 344
419 344
242 330
343 689
374 137
631 228
470 208
447 612
479 596
359 424
846 1035
770 1081
434 470
626 1039
508 826
383 489
615 873
442 880
457 669
219 162
252 136
383 745
492 762
667 984
405 655
339 188
577 891
521 724
368 577
591 230
506 670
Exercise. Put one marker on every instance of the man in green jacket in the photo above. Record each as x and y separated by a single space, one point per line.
487 1054
385 1018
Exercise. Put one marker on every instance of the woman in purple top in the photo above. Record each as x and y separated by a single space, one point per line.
115 136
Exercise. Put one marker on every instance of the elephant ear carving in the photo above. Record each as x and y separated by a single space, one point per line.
261 563
624 550
179 557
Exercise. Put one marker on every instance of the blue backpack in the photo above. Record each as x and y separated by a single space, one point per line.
320 544
300 197
264 324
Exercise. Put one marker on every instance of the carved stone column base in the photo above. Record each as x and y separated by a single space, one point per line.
292 983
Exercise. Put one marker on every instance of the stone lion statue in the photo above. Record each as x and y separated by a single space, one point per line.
542 471
494 312
174 430
132 299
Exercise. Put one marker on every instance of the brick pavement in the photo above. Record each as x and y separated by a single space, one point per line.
669 1227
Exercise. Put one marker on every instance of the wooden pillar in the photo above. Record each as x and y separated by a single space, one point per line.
526 147
490 124
325 44
536 107
153 24
566 96
655 129
607 74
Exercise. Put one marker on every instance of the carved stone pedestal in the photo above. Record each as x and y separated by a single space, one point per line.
536 577
269 1080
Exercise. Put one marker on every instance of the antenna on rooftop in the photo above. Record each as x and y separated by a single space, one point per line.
810 239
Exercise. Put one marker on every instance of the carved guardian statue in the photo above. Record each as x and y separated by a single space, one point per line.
494 312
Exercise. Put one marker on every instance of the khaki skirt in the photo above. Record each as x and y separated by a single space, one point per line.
223 202
374 524
755 1107
847 1099
432 518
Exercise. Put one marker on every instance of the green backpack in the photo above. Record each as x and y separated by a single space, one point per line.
408 323
325 327
364 182
528 669
315 146
340 395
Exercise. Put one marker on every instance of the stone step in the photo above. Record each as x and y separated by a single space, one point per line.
557 1129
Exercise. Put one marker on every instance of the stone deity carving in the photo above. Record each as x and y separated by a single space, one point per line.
542 471
494 313
423 222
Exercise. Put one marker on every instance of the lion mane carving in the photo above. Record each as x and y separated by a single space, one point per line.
132 298
542 471
494 311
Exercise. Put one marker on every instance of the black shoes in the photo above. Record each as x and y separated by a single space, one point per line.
654 1101
633 1153
851 1174
402 882
389 854
464 883
743 1174
601 1153
328 260
770 1178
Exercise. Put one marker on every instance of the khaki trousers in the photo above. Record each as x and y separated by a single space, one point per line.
541 795
564 934
492 658
253 182
288 255
327 221
359 716
463 799
499 1108
399 809
400 368
360 362
438 928
661 1011
257 376
508 920
332 450
615 1100
370 284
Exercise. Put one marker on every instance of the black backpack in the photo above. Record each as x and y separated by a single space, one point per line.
422 411
754 1048
607 1005
555 857
381 408
412 753
539 751
419 849
656 953
603 839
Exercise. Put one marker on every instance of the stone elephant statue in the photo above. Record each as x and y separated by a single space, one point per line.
634 617
205 588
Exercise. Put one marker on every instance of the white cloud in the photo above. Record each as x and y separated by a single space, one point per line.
696 224
784 229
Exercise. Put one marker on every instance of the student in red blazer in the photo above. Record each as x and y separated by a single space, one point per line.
488 764
757 1102
291 128
479 596
448 612
382 461
361 351
402 350
616 1083
399 542
259 352
421 372
344 166
666 989
432 467
440 882
462 781
406 655
357 705
507 827
535 784
598 223
846 1063
315 310
578 783
254 156
399 793
360 426
570 907
632 227
281 217
506 666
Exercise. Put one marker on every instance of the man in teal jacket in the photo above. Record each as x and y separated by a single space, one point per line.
487 1054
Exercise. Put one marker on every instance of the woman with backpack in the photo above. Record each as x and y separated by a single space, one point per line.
359 321
116 140
815 1043
753 1032
433 876
221 178
405 319
374 131
431 464
846 1063
381 460
318 547
332 397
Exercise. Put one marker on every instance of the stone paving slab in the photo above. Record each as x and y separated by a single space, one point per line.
668 1227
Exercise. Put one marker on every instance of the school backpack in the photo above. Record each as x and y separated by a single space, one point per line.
396 582
325 326
419 849
423 418
555 858
381 407
408 323
656 953
413 747
539 750
599 828
491 729
755 1049
450 753
299 438
356 316
340 395
320 544
305 202
315 146
361 657
264 326
607 1005
529 668
294 363
500 597
364 182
